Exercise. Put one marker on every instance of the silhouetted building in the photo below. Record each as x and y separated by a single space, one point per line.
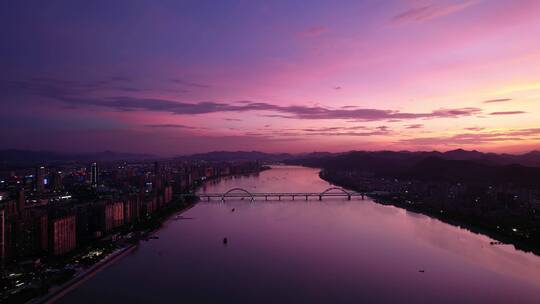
132 209
43 230
167 194
27 235
94 174
209 172
10 208
56 182
156 168
2 237
21 200
39 182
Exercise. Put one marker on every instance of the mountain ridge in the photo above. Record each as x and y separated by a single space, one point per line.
531 158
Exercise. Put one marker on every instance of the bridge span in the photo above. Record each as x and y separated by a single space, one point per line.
240 193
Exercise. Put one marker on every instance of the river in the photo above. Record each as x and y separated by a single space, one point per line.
329 251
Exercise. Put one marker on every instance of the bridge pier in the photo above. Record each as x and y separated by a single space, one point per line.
279 197
306 197
320 197
266 197
293 197
349 197
208 197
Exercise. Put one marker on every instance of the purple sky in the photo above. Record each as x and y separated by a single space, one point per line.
177 77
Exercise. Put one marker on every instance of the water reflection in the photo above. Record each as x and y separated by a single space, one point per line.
316 251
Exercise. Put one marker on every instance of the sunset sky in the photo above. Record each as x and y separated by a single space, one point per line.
178 77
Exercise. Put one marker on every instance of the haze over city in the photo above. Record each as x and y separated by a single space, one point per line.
180 77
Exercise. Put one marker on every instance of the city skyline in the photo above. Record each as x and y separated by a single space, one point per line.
173 78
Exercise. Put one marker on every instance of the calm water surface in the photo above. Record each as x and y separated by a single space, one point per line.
334 251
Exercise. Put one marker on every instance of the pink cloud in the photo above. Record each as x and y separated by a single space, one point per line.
431 11
475 138
314 31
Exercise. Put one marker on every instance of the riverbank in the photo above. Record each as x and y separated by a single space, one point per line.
454 219
59 291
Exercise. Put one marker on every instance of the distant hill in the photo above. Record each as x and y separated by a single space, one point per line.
19 157
528 159
254 156
236 156
532 158
376 161
437 169
379 163
403 159
451 166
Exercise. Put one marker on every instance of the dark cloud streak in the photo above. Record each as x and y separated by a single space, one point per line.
314 31
497 100
475 138
507 113
190 84
430 11
169 126
79 94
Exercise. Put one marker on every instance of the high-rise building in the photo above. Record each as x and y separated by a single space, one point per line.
39 182
2 237
157 169
114 215
63 235
56 183
94 174
21 201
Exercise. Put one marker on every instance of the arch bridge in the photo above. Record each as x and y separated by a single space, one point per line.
240 193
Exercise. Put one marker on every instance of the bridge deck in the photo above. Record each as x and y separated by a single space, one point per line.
243 193
278 195
262 194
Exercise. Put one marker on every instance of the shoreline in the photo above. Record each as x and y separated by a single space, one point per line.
60 291
497 236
